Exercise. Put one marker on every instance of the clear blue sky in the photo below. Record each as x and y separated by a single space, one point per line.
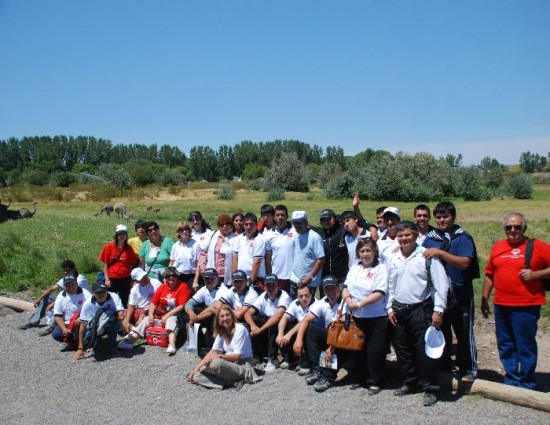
439 76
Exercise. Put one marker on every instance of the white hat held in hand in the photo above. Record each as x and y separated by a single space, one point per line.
435 342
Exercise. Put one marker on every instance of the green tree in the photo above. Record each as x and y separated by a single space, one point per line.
532 162
289 173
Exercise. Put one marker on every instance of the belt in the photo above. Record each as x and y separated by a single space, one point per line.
397 306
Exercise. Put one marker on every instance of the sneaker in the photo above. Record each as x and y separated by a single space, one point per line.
285 364
373 389
313 377
469 376
271 366
322 385
403 390
239 384
355 386
27 325
171 350
125 346
304 371
429 399
46 331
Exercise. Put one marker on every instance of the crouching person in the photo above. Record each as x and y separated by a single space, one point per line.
228 364
313 329
165 308
66 311
202 307
102 313
289 325
263 317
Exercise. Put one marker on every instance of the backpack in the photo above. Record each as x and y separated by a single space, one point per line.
528 256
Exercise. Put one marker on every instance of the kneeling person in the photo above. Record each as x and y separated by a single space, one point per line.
263 318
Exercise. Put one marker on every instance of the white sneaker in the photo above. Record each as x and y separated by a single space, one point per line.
125 346
285 365
171 349
271 366
304 371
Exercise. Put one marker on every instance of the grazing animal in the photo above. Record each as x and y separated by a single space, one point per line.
131 215
108 209
120 210
95 215
156 210
6 214
148 208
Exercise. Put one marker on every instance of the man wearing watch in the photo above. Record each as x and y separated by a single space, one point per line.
416 299
309 255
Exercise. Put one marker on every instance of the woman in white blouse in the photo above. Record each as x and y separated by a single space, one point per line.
228 364
185 255
364 293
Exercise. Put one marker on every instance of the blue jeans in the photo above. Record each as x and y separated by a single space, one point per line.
40 311
516 331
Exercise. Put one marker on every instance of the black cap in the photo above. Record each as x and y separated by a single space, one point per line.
69 278
210 273
239 275
329 280
271 278
347 214
327 212
99 287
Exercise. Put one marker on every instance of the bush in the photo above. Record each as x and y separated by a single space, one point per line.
62 179
35 177
540 178
258 184
289 173
253 171
275 194
226 193
520 187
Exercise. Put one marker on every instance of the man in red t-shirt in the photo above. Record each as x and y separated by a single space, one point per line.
519 293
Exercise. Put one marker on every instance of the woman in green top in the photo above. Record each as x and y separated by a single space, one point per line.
154 255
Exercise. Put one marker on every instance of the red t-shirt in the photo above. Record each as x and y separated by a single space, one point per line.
165 297
124 264
505 262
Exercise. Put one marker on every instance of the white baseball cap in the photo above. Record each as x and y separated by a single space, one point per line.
435 342
391 210
299 216
137 274
121 228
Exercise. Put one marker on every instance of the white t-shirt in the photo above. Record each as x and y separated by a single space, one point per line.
236 301
386 248
282 251
323 311
206 297
67 305
266 307
111 305
203 238
185 256
249 249
362 282
81 281
240 343
295 310
140 296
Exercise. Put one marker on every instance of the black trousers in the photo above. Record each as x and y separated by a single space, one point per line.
371 361
122 287
264 344
416 366
288 353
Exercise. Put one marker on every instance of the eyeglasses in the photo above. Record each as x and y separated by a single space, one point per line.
513 226
184 229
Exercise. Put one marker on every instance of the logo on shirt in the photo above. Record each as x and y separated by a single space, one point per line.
515 252
251 245
80 302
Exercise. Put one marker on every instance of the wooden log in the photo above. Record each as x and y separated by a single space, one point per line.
17 305
500 392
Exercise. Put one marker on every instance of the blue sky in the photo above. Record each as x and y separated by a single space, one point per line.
470 77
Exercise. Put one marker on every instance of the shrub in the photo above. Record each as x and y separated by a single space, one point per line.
275 194
253 171
62 179
258 184
540 178
289 173
226 193
520 187
35 177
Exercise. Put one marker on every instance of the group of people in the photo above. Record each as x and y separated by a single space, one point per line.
269 290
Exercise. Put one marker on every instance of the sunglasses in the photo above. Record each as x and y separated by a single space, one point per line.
169 276
514 227
184 229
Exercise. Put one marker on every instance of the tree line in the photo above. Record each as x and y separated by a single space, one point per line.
278 165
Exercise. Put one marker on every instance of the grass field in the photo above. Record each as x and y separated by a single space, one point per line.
32 249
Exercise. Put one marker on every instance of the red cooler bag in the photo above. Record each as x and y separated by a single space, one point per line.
155 335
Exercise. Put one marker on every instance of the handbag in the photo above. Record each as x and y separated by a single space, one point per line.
345 335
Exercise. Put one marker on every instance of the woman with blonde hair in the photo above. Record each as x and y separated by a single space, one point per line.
228 363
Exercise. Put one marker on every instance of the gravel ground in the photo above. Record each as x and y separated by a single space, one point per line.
40 384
